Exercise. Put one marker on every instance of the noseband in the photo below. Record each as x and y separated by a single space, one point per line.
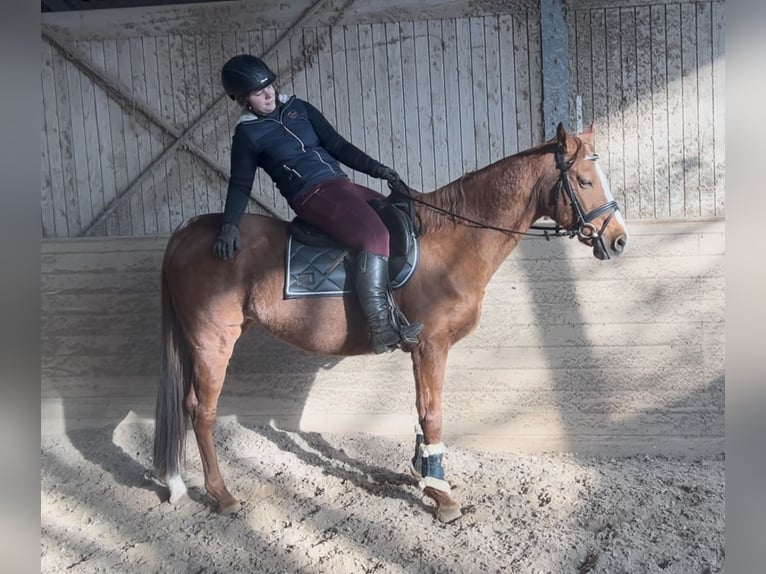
583 228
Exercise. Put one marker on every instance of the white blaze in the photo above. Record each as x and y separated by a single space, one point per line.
608 192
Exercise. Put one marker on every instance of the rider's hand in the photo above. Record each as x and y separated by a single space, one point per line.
228 242
387 173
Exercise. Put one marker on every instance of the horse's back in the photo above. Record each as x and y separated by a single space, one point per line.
195 237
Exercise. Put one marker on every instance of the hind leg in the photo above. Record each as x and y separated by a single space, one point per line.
210 363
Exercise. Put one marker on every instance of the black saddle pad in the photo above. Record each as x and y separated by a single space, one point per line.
317 265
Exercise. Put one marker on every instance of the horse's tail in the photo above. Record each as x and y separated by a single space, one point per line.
175 380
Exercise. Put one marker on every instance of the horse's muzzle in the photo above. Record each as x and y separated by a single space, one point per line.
603 251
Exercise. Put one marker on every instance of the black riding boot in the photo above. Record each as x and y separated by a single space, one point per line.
372 289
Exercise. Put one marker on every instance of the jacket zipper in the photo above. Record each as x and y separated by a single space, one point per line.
291 170
300 141
303 146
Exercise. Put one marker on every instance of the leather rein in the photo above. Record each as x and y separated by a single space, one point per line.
583 227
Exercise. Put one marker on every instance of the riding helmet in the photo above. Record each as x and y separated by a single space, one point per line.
244 73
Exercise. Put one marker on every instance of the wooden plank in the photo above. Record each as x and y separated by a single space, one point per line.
193 110
171 215
523 94
369 117
90 152
405 119
143 139
161 195
534 28
180 113
599 83
507 69
630 121
207 94
583 63
313 88
465 81
382 98
719 108
452 99
299 56
614 164
284 63
337 49
478 60
220 122
355 110
436 50
705 114
64 114
659 91
675 114
103 128
690 116
326 75
424 99
494 88
79 157
229 49
131 139
117 133
52 143
644 114
340 74
47 219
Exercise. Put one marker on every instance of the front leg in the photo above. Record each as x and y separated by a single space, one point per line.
429 361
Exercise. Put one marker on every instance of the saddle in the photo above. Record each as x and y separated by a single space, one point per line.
318 265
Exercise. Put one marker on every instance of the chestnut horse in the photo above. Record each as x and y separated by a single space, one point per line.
468 228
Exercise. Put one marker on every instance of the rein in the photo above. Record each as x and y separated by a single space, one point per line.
582 228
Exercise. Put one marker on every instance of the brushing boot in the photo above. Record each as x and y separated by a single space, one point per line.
372 281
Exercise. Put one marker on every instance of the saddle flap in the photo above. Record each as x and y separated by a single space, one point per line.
317 264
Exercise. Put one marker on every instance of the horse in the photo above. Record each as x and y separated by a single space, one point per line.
468 227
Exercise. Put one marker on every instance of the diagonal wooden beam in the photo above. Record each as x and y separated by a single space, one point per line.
182 139
120 93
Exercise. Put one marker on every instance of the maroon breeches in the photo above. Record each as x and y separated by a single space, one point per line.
339 208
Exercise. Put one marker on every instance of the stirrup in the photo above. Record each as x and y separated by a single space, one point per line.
409 333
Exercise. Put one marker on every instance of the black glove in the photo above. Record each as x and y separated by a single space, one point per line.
383 172
397 186
228 241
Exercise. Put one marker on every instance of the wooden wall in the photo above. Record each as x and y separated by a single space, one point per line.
651 74
575 354
432 98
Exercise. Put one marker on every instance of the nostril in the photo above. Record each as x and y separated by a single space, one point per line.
620 243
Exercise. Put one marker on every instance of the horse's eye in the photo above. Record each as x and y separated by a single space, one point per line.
584 182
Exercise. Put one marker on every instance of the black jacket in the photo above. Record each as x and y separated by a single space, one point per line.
296 146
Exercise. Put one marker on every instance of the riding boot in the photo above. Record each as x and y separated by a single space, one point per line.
372 289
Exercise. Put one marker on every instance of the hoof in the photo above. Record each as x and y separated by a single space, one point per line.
230 507
179 499
448 514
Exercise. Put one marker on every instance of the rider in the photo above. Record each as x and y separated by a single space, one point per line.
300 150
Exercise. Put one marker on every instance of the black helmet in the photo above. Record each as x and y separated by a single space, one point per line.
244 73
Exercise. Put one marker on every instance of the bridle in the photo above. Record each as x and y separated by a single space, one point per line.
582 228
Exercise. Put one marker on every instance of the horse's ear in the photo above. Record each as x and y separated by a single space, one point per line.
590 129
562 137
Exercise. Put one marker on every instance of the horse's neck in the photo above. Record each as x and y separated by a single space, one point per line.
504 195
